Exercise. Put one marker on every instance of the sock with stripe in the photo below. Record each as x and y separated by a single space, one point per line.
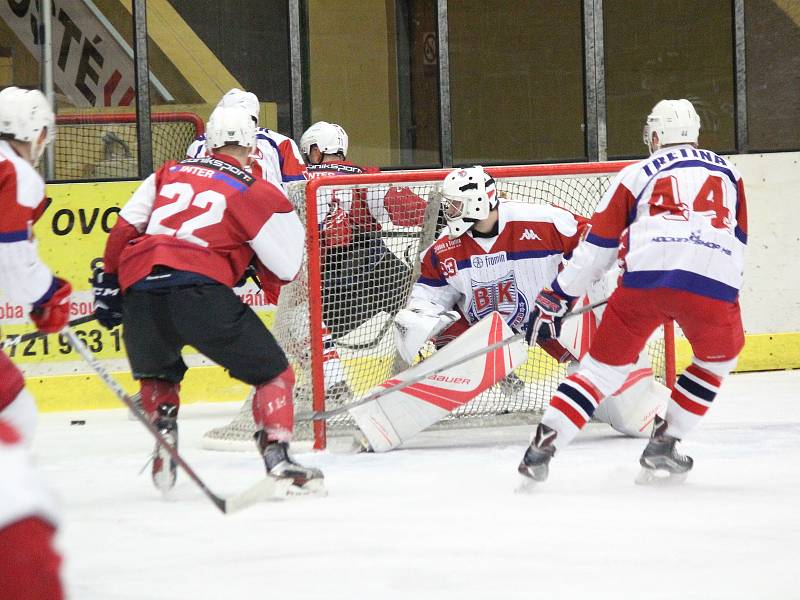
693 395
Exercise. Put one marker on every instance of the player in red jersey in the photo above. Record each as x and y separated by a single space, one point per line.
183 239
27 125
682 216
29 563
356 262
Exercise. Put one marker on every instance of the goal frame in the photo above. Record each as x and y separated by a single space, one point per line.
400 178
130 118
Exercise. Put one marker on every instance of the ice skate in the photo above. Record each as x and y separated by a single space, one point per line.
360 443
298 480
511 385
661 463
164 469
535 463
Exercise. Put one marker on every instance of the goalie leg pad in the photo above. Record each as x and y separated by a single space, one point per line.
633 408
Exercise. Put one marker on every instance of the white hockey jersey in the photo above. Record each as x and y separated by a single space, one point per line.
503 273
681 218
23 492
24 278
276 157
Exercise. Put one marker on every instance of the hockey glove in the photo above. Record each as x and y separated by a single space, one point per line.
52 314
107 298
545 320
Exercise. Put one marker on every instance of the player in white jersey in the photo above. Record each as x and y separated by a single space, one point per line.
275 157
682 217
357 264
27 125
497 256
29 564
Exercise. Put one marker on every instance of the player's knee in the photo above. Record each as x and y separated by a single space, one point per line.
606 378
719 368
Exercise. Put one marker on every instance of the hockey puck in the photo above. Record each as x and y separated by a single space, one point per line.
78 422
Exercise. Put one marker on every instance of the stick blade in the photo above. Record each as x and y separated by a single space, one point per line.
266 489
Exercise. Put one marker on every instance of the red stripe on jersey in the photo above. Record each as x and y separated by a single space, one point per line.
330 355
704 375
688 405
13 216
587 385
611 222
741 207
572 414
290 165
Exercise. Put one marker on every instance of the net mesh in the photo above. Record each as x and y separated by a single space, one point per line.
106 146
368 257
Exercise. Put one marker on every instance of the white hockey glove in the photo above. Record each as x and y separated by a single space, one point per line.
414 326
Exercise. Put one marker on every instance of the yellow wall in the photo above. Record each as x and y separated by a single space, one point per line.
352 76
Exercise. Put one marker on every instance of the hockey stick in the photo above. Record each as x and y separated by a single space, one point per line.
322 415
260 491
13 340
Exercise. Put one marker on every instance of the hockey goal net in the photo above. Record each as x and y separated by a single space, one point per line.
105 146
356 277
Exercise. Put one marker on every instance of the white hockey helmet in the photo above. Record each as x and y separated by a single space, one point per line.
246 100
675 122
329 138
230 125
24 114
468 195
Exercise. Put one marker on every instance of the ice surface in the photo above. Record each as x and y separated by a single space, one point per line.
440 519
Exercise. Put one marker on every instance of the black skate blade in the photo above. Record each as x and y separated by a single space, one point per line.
659 477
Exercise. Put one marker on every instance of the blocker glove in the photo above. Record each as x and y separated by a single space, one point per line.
107 298
545 321
52 314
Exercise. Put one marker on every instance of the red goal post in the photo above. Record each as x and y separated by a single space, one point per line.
355 279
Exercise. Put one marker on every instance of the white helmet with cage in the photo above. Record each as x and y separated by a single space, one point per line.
24 114
468 195
230 125
329 138
675 122
242 99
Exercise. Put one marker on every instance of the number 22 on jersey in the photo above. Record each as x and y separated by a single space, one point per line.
182 196
665 201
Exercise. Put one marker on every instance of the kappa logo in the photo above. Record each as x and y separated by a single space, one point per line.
529 234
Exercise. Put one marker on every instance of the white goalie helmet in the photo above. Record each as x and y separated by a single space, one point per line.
230 125
468 195
675 122
242 99
24 114
329 138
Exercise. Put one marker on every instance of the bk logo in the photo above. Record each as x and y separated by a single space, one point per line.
501 295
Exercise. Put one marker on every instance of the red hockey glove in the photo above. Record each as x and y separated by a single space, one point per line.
52 315
546 316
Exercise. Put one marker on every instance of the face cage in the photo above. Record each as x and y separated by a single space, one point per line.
448 203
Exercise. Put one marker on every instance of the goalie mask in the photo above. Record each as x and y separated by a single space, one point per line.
468 195
241 99
230 125
675 122
329 138
24 114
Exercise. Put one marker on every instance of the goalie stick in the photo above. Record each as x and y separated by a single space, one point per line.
322 415
263 490
13 340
